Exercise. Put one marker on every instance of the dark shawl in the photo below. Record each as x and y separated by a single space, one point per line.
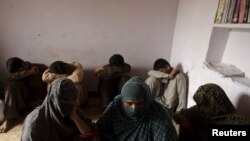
153 124
24 92
112 72
50 121
222 111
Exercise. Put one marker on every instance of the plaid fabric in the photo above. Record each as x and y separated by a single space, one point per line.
154 125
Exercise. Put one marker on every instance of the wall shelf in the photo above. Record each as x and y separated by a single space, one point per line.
217 49
233 26
219 39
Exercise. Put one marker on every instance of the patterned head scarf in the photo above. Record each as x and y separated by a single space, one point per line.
153 122
215 98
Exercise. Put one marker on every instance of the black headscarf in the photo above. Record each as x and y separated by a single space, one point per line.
50 121
59 67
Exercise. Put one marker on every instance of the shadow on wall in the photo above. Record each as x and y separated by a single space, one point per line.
2 64
140 72
90 79
179 67
243 105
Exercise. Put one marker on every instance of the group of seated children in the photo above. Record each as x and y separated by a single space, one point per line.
28 83
134 109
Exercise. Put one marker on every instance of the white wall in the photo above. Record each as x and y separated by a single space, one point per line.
191 38
88 31
190 45
237 50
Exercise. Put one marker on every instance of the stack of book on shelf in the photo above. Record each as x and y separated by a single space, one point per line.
233 11
229 71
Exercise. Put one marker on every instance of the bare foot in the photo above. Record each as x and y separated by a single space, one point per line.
4 127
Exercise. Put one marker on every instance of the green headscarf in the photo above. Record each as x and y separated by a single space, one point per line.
218 111
221 109
214 96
